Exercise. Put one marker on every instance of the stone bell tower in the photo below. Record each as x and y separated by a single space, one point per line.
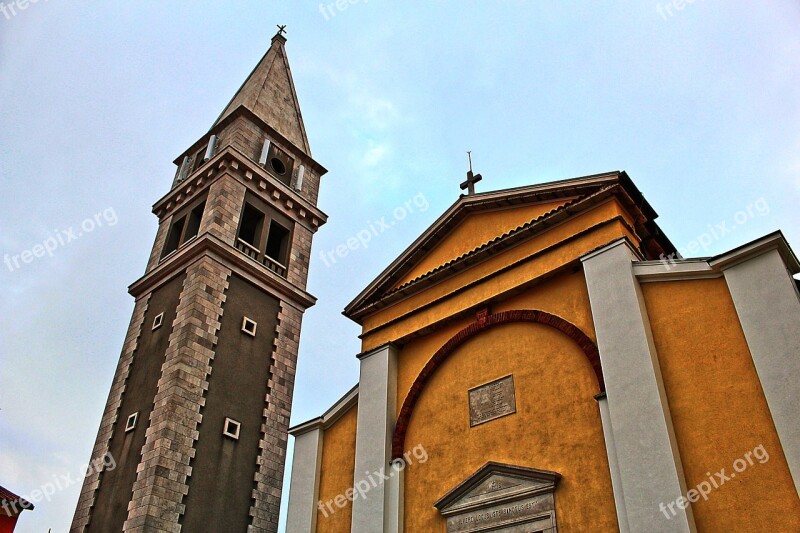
197 416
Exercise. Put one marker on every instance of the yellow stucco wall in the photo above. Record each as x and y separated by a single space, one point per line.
476 230
443 301
564 295
415 355
337 472
556 427
719 409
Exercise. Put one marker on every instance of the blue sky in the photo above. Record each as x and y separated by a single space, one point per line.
699 105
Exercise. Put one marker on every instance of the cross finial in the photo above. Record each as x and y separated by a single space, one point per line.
281 29
472 179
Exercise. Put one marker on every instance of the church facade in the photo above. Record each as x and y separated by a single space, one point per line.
541 359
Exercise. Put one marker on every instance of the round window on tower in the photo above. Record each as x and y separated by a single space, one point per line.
278 166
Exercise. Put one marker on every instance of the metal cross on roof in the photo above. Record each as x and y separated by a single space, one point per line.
472 179
281 29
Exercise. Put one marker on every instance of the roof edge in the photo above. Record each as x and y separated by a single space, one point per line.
711 267
475 200
330 417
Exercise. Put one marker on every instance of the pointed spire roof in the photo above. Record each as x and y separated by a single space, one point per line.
269 93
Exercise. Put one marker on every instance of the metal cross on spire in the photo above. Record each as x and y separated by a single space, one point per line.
281 29
472 179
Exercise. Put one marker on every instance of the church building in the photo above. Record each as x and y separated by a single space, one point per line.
541 359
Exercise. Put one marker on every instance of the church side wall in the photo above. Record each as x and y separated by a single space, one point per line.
556 426
718 408
337 473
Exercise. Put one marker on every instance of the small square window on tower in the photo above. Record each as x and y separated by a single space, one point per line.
231 428
158 321
249 326
130 425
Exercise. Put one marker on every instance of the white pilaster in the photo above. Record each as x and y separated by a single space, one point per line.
394 501
304 487
650 470
613 464
768 306
376 418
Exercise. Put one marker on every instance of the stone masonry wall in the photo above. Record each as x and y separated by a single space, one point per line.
269 478
92 481
162 475
158 247
223 209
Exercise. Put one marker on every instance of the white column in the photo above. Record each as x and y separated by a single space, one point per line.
377 400
304 487
394 501
650 470
613 464
768 306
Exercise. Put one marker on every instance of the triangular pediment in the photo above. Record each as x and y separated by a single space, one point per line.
495 483
479 225
476 229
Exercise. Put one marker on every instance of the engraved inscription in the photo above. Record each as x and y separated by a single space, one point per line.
518 513
502 499
492 401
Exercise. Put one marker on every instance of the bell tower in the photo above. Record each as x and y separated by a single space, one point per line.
198 413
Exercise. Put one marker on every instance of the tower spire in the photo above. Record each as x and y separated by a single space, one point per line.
270 94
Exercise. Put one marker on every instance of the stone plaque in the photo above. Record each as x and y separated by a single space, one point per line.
492 401
526 516
502 499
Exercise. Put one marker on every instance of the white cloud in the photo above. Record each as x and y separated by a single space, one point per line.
374 154
381 114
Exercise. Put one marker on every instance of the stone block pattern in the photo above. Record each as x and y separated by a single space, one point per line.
158 247
300 256
245 136
248 138
164 469
223 209
92 480
269 478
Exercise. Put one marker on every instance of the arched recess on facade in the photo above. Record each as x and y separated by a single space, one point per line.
483 323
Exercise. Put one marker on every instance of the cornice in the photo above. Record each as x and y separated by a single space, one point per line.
211 246
232 162
714 267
